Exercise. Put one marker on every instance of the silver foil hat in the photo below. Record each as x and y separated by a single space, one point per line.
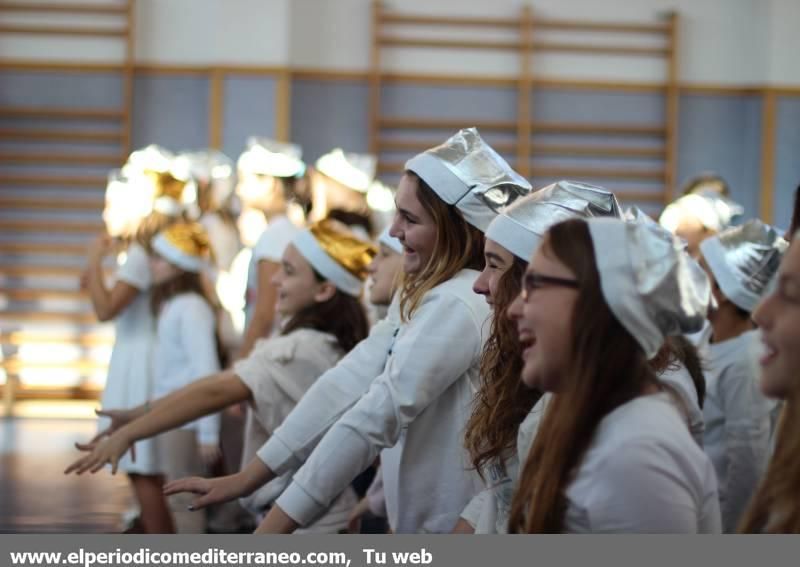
356 171
212 167
712 210
269 157
653 287
521 226
466 172
744 260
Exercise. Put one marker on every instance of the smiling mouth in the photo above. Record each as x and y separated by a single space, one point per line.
768 354
527 345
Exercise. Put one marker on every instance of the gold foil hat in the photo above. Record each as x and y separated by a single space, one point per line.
337 255
184 244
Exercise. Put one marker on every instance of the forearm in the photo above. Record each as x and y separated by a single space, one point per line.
98 294
183 406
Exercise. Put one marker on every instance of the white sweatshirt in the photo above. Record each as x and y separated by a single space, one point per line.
738 423
415 409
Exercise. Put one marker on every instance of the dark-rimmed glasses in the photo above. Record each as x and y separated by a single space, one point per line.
532 281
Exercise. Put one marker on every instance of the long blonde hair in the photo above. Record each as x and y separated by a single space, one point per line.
458 246
776 506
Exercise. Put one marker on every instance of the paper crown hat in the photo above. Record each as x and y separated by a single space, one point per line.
744 260
168 177
184 244
338 255
653 287
712 210
519 228
356 171
268 157
466 172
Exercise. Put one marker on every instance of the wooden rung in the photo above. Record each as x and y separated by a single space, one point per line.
13 365
87 181
605 151
448 124
40 270
51 227
32 294
388 144
594 173
446 43
63 158
75 8
48 316
60 135
600 49
575 25
24 392
390 18
52 204
20 338
600 128
60 112
24 248
64 31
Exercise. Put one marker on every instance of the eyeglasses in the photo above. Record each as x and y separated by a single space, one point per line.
532 281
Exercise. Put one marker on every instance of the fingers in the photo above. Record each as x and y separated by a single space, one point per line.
90 446
195 485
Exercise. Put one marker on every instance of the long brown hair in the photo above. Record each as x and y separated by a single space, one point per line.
775 508
342 316
458 246
607 368
502 401
677 351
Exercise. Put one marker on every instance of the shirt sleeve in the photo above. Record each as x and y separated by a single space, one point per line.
440 344
198 338
747 439
473 511
135 270
330 396
642 489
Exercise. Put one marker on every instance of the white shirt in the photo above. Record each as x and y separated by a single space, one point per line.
680 381
643 473
278 373
738 423
186 351
415 408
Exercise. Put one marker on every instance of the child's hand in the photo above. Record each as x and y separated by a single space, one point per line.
118 419
212 490
210 454
107 451
100 246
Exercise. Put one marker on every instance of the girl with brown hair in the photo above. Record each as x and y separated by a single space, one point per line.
775 509
503 402
612 453
318 288
406 390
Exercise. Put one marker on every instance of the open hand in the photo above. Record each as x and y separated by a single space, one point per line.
101 452
211 490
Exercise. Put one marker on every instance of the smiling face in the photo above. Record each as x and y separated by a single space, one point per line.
413 226
298 286
498 262
383 273
544 321
778 316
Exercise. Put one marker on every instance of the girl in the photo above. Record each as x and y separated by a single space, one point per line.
741 263
775 509
503 402
339 185
318 286
612 453
151 180
407 388
267 173
186 348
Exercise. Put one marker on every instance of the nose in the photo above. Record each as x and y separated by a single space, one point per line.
395 230
762 314
373 266
481 285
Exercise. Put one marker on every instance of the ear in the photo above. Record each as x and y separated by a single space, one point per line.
325 291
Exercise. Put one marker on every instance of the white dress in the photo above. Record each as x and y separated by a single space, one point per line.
738 423
413 413
278 372
130 373
643 473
